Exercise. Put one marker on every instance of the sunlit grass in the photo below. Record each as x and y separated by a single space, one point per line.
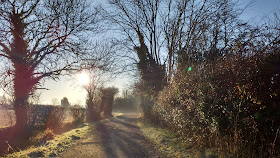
171 145
59 144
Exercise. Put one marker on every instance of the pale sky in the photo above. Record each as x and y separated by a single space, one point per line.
260 9
65 87
70 88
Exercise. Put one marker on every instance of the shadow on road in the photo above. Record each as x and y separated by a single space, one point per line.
120 137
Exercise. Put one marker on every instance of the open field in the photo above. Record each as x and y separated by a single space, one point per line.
7 118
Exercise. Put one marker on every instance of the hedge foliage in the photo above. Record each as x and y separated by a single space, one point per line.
233 103
46 116
79 115
107 99
51 117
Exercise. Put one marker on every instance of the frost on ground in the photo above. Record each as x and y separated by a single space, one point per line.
115 137
123 136
59 144
171 145
118 137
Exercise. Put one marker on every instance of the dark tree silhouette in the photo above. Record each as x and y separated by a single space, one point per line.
40 38
138 21
107 64
93 94
107 98
65 102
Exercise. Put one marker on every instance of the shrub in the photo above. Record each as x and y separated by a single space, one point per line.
233 103
242 98
147 98
79 114
94 111
56 117
178 107
107 99
45 116
37 115
93 103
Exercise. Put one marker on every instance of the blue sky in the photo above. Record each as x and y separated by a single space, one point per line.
69 87
260 9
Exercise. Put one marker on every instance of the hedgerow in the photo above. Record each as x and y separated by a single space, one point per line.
231 103
45 116
79 115
52 117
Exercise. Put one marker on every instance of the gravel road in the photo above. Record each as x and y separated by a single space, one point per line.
117 137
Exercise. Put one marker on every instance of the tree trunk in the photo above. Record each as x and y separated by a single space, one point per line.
21 117
93 112
108 107
23 85
23 72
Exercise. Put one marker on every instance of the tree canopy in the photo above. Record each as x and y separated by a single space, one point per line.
39 39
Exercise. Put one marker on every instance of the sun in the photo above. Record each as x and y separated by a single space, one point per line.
83 78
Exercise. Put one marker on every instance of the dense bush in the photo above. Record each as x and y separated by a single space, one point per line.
56 117
79 114
146 103
178 107
94 110
93 103
233 102
242 98
107 98
46 116
51 117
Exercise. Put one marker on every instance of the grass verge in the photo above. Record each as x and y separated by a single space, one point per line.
171 145
57 145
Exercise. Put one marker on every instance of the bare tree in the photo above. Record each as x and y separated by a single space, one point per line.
93 100
138 21
198 30
101 65
178 29
173 24
40 38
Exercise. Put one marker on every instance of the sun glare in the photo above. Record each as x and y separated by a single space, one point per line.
83 78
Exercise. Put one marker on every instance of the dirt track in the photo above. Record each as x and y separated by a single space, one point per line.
118 137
